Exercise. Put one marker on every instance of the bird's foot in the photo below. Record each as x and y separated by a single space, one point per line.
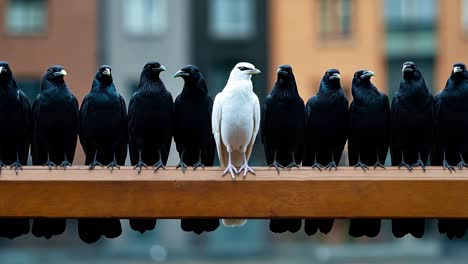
50 164
197 165
277 166
93 165
17 165
318 166
182 166
406 165
462 164
113 165
447 166
232 170
140 165
378 165
2 165
331 165
246 168
159 165
361 165
65 164
420 163
293 165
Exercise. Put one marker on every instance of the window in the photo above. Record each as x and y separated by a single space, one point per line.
26 16
335 19
232 19
465 15
412 12
145 17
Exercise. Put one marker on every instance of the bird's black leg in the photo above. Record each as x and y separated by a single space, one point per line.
293 164
95 163
317 165
113 164
332 164
361 165
2 165
182 164
65 162
158 165
49 163
199 164
419 162
404 164
378 164
17 164
276 164
140 163
462 164
446 165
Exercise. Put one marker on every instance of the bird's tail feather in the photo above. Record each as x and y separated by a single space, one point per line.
234 222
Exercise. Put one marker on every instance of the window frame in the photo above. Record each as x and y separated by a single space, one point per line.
27 34
213 32
146 34
329 35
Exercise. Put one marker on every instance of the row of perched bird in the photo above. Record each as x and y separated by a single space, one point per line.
315 135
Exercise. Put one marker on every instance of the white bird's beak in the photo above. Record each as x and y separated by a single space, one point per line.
107 72
1 70
367 74
255 72
335 76
457 69
181 74
60 73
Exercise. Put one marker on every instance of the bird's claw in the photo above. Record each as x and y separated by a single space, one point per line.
198 165
318 166
93 165
246 168
158 165
379 165
232 170
361 165
182 166
2 165
462 165
293 165
447 166
113 165
406 165
65 164
17 165
140 166
50 164
277 166
420 163
331 165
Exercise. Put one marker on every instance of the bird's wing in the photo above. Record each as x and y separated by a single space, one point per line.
26 112
82 127
216 126
131 125
34 135
256 119
178 104
123 139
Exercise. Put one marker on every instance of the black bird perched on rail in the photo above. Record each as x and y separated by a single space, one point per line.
15 112
282 131
150 126
326 133
369 137
193 135
55 106
451 113
412 126
103 135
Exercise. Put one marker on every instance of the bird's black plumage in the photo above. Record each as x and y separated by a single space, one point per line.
192 134
327 125
151 125
451 117
369 137
55 131
282 132
15 114
103 136
412 129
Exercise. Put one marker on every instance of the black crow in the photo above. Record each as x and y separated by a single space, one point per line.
15 114
451 117
326 133
369 137
412 126
150 126
54 107
193 135
103 136
282 131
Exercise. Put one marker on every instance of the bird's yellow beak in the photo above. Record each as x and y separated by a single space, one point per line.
60 73
255 72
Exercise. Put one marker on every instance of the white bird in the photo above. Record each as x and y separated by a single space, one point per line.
235 123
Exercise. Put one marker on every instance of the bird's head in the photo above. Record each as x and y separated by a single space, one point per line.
5 71
410 69
284 72
244 71
189 73
332 77
362 76
153 69
459 71
104 74
55 74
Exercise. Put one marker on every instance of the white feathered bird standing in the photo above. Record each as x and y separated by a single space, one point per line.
235 122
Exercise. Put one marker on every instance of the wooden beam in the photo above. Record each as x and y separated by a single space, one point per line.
345 193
